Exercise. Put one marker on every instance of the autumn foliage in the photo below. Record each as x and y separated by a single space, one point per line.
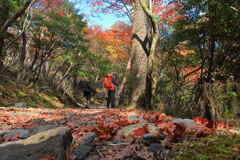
113 43
166 12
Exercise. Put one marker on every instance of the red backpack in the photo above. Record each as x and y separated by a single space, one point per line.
108 82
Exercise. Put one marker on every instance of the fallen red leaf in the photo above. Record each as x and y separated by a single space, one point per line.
139 131
220 125
48 157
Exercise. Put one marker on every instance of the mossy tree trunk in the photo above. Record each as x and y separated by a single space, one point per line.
220 101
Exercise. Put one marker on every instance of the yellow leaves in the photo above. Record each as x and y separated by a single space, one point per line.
111 50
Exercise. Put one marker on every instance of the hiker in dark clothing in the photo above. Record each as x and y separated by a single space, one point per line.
110 82
88 92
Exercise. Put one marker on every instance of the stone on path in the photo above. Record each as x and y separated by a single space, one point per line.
157 148
85 148
53 142
22 133
88 138
42 128
185 122
82 151
21 105
129 130
38 121
149 138
132 117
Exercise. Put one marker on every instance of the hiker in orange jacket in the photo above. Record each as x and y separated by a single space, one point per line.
110 82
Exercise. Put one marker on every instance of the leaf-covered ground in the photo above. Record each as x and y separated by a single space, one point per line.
106 123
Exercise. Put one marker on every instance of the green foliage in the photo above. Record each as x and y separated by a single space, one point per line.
62 31
14 4
209 31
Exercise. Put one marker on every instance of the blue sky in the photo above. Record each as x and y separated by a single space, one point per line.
104 20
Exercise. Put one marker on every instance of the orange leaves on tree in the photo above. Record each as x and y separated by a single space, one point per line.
50 4
193 77
168 12
113 43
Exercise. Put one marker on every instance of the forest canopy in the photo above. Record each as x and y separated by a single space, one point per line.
172 55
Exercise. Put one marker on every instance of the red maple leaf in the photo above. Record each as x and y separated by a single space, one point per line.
139 131
220 125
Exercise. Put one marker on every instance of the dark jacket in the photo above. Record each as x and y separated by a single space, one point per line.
88 91
114 81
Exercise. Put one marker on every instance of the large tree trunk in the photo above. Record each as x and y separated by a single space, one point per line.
4 13
152 71
139 53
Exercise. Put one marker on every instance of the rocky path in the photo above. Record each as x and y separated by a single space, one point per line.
96 133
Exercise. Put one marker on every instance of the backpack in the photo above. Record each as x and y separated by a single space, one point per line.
108 82
87 91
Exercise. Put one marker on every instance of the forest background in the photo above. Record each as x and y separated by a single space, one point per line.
173 56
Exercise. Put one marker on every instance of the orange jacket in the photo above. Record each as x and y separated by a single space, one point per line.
108 82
